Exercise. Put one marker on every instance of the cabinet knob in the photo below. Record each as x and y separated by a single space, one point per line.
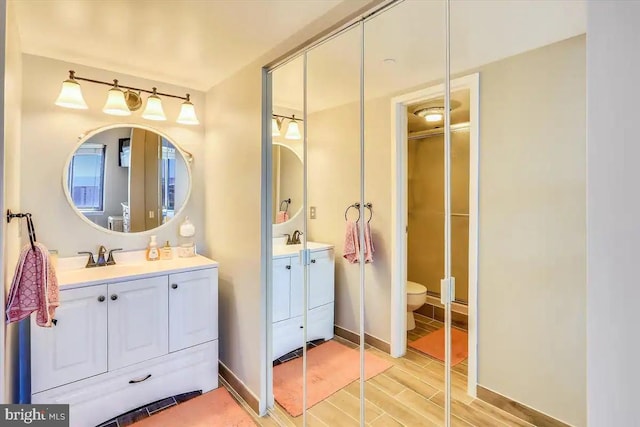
114 297
313 261
101 298
288 267
174 286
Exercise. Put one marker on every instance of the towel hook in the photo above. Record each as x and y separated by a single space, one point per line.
30 227
286 208
357 206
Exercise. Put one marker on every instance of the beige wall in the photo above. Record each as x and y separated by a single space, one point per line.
49 135
532 257
11 183
532 263
233 153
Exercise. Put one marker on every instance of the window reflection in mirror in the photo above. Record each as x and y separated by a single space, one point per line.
127 179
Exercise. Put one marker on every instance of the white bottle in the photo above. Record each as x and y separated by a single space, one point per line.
153 254
187 244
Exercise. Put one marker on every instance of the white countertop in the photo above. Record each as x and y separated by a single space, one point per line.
281 251
130 265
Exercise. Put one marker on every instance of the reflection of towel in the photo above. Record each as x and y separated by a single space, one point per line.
351 245
368 244
282 216
34 287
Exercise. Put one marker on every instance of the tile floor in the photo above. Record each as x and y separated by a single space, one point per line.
410 393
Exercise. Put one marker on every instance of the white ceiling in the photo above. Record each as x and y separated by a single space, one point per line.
412 33
190 43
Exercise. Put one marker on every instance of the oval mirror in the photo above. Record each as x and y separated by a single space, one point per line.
127 179
287 183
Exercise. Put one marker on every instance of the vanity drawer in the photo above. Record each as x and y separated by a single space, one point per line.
287 336
105 396
320 323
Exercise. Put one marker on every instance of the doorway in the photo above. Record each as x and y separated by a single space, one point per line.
401 222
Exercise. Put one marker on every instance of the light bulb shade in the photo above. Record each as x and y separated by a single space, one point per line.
116 105
293 131
275 127
433 117
71 96
153 110
187 114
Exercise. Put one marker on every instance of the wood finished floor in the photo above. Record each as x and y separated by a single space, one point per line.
410 394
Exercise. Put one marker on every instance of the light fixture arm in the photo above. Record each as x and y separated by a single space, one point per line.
287 117
73 76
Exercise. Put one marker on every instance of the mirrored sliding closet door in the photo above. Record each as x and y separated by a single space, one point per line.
405 183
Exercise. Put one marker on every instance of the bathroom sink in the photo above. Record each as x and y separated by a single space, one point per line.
130 265
279 240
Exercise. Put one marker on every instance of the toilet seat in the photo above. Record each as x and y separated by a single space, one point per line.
414 288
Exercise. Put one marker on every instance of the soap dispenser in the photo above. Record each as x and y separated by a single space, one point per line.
153 254
187 244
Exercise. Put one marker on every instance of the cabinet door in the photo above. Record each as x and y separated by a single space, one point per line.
193 308
321 279
138 321
297 287
74 348
280 301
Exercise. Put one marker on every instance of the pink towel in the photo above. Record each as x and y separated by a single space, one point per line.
351 250
282 216
352 243
34 287
368 244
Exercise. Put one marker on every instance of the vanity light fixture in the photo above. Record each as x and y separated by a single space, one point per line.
188 113
293 130
153 110
276 122
116 105
71 94
122 103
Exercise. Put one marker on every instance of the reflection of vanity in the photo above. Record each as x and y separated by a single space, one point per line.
127 335
288 296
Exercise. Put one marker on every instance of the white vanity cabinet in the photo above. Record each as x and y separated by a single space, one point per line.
193 308
76 347
138 321
288 297
129 341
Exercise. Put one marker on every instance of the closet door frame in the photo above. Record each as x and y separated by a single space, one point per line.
399 219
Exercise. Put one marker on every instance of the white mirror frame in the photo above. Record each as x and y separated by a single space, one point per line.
302 163
84 137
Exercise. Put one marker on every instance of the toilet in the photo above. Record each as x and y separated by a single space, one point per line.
416 297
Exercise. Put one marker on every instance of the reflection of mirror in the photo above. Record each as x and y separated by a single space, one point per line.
287 183
127 179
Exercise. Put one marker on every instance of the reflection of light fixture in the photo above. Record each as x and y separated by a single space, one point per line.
116 104
275 126
122 103
188 113
431 114
153 110
293 130
71 94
